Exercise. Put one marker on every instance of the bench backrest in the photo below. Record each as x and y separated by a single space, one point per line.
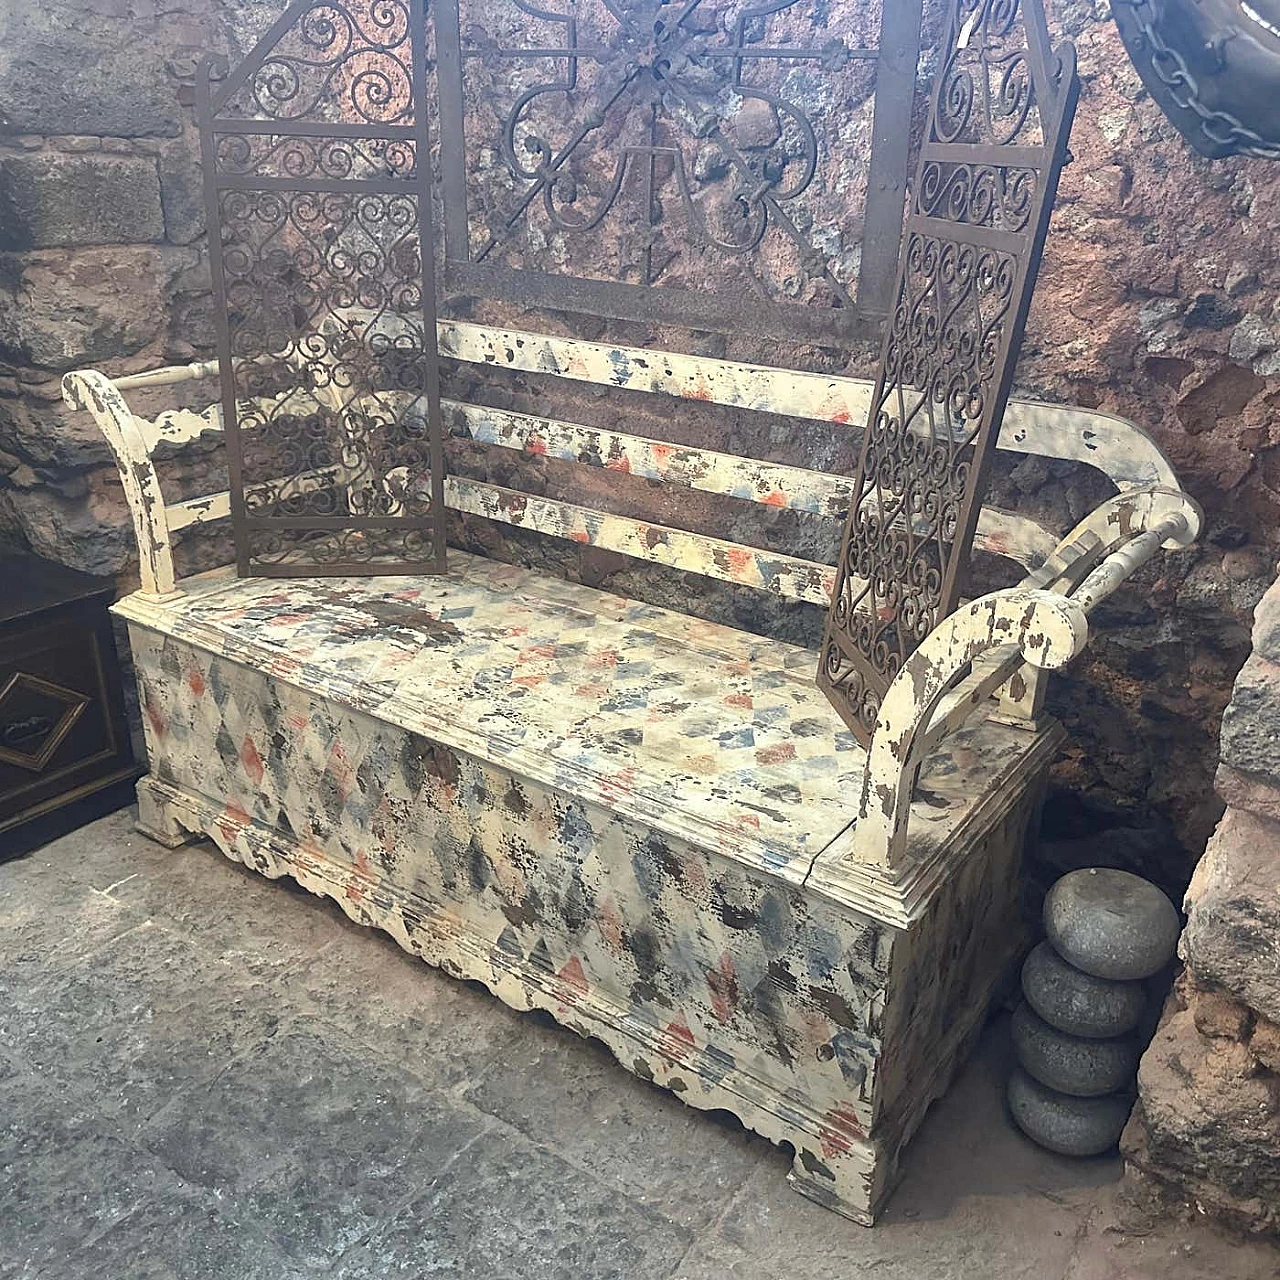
1124 453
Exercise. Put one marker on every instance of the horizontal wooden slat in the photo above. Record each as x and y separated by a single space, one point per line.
772 484
790 391
786 576
180 426
1115 446
216 506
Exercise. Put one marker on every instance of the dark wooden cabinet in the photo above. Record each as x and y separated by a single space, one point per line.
63 733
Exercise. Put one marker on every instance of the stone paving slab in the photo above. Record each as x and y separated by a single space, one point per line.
508 1208
204 1074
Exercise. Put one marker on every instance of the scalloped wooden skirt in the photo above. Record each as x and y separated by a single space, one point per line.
735 987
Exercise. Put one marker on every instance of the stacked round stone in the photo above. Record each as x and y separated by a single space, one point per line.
1084 989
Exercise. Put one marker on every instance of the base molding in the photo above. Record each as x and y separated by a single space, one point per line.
850 1174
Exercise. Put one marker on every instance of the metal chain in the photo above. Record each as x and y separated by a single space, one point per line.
1170 66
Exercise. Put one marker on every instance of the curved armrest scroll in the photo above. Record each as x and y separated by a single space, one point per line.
88 389
1032 626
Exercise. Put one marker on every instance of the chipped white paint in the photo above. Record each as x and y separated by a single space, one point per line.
1121 564
176 427
1047 630
785 576
1120 449
168 375
601 808
612 754
1121 517
95 392
1090 564
769 483
1064 432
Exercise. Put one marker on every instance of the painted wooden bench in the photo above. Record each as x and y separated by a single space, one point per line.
650 825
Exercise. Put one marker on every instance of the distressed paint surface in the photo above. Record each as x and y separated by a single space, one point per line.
768 483
719 980
1118 448
1126 516
781 575
707 734
1045 629
648 825
95 393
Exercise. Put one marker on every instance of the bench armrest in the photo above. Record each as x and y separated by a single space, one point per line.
1006 640
1017 626
88 389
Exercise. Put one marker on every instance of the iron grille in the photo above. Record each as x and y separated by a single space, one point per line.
999 119
671 161
317 184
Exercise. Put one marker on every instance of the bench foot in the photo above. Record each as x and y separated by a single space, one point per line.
157 819
847 1187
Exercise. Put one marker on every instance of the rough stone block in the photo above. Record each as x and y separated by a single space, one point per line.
48 198
1251 723
182 191
60 309
1259 796
93 533
1233 912
1217 1014
1209 1122
85 67
1266 625
1264 1044
52 438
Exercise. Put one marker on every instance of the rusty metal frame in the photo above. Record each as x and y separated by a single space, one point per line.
640 65
318 142
999 119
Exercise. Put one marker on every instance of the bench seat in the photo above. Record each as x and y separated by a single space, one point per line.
706 733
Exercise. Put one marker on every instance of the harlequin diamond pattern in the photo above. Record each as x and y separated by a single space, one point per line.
721 733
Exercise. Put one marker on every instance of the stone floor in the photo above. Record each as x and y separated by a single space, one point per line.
204 1074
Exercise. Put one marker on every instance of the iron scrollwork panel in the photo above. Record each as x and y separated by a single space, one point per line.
739 167
1000 115
317 183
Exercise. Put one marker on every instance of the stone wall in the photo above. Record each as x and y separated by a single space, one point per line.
1157 301
1207 1123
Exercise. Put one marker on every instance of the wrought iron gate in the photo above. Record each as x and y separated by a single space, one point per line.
998 124
318 189
678 161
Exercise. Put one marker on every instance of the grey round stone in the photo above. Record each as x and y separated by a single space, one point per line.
1076 1002
1072 1064
1111 924
1069 1126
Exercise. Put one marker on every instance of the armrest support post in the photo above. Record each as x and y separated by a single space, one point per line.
1012 639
